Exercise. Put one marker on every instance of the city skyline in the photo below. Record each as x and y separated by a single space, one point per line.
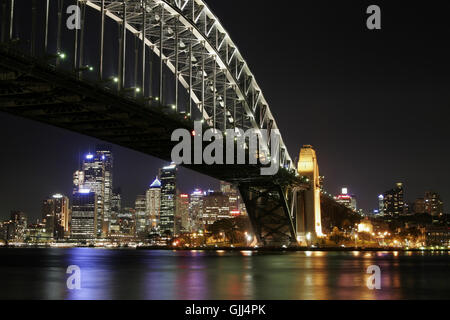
184 184
370 96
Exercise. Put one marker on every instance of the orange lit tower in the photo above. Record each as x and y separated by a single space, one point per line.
309 225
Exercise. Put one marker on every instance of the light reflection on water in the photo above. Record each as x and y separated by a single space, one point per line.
196 275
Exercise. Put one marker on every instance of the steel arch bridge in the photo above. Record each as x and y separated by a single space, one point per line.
55 87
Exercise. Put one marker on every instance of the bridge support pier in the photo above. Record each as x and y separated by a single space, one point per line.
304 218
269 214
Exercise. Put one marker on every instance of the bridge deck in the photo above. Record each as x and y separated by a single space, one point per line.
32 89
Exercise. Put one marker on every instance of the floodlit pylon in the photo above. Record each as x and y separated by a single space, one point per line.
308 220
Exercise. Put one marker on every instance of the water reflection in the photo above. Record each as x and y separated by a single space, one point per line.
196 275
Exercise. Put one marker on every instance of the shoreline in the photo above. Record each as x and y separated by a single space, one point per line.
259 249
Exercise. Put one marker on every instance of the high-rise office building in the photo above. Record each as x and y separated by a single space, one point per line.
433 204
16 227
196 210
105 154
116 207
83 221
393 201
348 200
96 175
55 215
153 202
182 215
216 206
237 206
142 219
168 176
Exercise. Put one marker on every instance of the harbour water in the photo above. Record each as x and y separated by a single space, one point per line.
222 275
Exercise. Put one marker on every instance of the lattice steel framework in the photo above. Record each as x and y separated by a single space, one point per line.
195 47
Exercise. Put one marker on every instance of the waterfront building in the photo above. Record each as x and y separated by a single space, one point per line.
83 221
15 228
55 216
365 226
36 233
437 236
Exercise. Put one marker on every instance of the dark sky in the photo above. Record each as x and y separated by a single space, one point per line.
372 103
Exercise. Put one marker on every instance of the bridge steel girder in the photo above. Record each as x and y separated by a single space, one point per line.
269 214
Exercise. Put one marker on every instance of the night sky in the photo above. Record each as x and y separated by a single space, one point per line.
372 103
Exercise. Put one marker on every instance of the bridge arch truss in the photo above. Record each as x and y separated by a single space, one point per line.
192 43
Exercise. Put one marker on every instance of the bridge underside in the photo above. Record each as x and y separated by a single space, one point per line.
36 91
32 90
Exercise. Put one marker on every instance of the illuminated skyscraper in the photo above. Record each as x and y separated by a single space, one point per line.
55 215
16 227
433 204
196 210
182 215
104 152
168 176
393 201
116 207
96 175
153 202
346 199
142 219
83 222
